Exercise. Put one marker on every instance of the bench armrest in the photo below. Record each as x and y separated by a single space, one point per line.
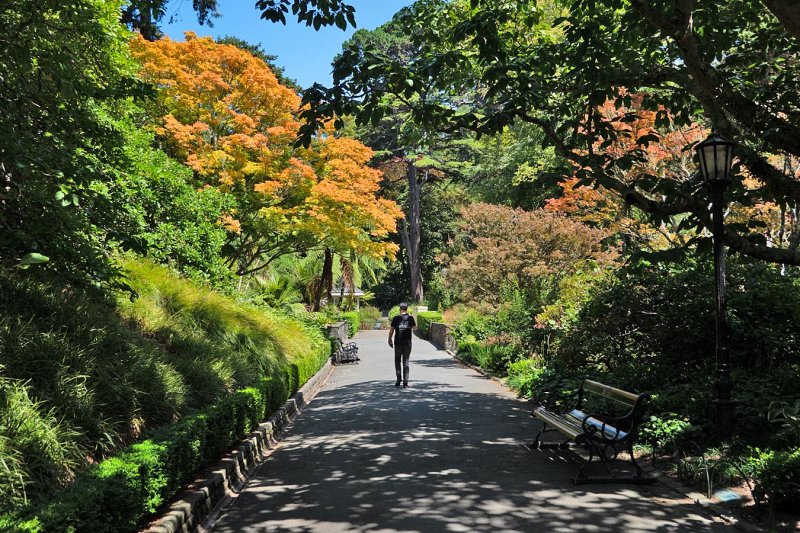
549 399
605 428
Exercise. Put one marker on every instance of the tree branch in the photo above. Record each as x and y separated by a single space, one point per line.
788 14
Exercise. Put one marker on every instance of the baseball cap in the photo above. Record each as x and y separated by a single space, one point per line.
403 305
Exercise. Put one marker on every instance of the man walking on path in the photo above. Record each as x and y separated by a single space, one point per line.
402 324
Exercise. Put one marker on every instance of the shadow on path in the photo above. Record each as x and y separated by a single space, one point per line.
445 455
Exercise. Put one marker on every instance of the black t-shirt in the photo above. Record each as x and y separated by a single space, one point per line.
402 325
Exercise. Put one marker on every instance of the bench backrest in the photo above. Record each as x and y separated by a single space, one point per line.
612 393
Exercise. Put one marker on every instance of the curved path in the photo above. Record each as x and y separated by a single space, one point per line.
444 455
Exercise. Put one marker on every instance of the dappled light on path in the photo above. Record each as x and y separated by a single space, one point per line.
445 455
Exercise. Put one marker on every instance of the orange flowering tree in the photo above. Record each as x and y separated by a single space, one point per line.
225 115
659 161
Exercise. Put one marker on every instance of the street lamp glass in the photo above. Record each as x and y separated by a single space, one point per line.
716 155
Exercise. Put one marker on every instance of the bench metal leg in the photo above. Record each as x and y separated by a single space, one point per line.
594 449
538 445
535 443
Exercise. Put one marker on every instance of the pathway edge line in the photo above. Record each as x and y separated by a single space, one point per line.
206 496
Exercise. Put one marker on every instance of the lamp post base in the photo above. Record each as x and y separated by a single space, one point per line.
724 411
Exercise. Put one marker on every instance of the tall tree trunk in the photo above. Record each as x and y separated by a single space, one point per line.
414 263
326 280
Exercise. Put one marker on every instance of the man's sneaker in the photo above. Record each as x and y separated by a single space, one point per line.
397 383
405 384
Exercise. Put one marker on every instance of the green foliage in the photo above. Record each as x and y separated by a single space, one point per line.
494 358
107 371
665 431
779 480
37 451
570 70
473 325
628 324
63 66
274 291
368 316
526 376
468 349
424 320
122 491
353 320
514 169
168 218
787 416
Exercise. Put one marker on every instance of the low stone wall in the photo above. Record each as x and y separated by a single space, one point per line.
441 336
338 330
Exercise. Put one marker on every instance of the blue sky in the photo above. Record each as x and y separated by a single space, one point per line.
304 53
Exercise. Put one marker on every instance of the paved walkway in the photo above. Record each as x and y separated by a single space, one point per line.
444 455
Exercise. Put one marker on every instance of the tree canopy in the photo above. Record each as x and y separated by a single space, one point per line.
64 70
731 65
225 114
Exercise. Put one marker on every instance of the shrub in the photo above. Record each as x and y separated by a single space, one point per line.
468 349
104 372
779 481
526 375
353 321
125 489
368 316
473 325
424 320
665 431
496 358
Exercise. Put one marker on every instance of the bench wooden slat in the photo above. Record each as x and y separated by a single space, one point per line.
572 425
612 393
567 428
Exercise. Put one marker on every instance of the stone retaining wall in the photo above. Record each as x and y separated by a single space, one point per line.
441 336
338 330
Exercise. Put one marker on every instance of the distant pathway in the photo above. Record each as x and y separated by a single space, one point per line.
442 456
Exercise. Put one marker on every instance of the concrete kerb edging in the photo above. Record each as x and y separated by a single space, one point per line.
229 475
716 509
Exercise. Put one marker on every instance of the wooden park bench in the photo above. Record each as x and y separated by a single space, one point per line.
345 353
605 436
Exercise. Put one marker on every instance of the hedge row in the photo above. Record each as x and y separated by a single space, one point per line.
123 491
424 319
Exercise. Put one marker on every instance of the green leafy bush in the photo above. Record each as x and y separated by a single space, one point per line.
665 431
122 491
368 316
473 325
787 416
778 483
526 375
496 358
353 320
424 320
468 349
110 371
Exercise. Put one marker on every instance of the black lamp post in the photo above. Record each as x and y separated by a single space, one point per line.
715 154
